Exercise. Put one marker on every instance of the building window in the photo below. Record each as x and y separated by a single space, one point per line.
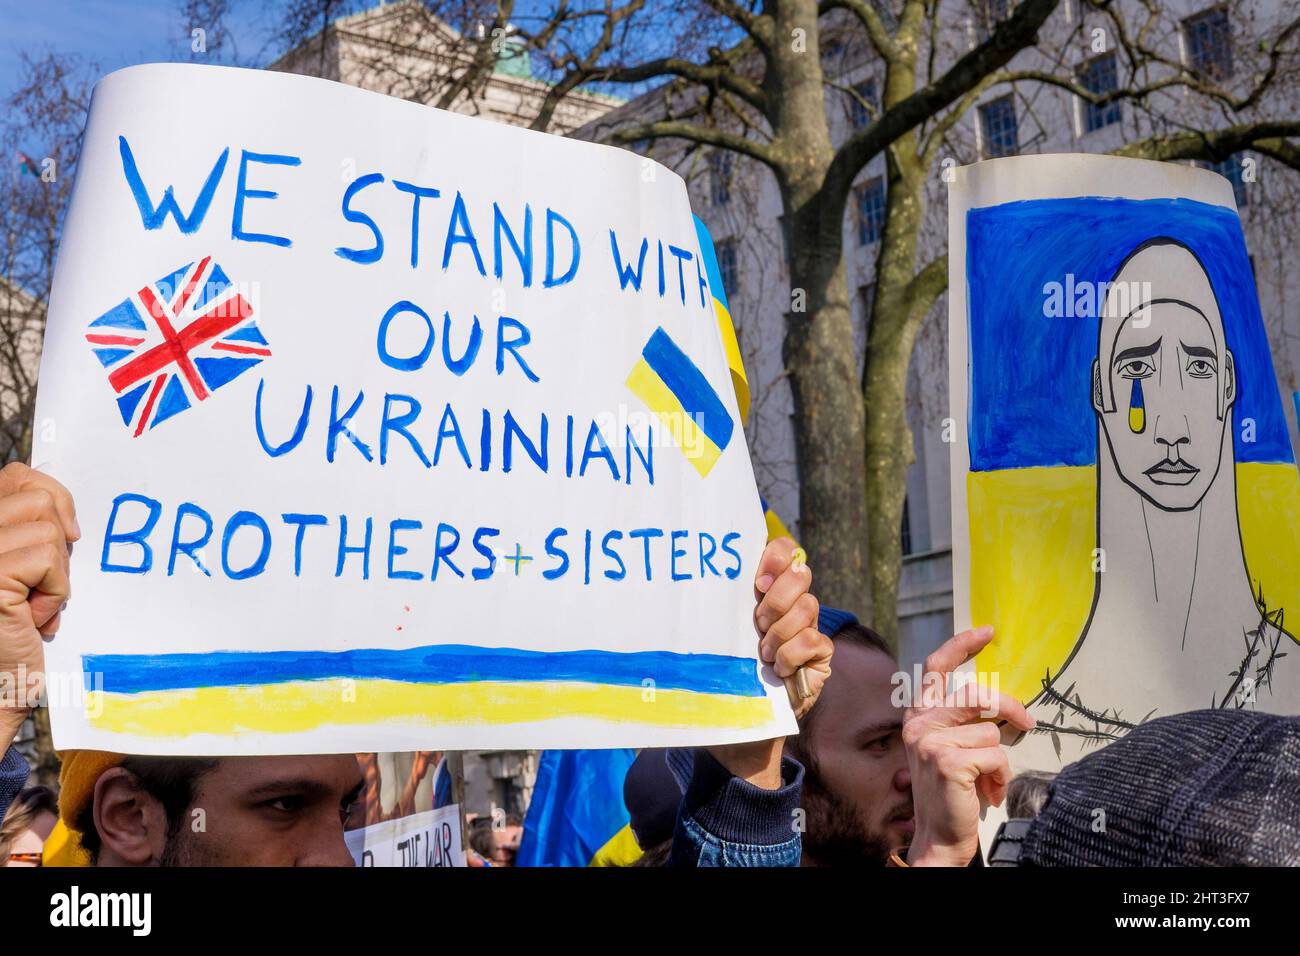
863 104
871 211
1230 169
988 14
727 266
1209 43
720 166
998 124
1100 75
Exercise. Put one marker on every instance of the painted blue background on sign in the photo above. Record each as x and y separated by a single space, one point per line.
1030 375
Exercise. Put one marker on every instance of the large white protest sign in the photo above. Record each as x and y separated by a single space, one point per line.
390 429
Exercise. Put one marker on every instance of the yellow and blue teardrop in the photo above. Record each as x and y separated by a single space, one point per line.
1137 410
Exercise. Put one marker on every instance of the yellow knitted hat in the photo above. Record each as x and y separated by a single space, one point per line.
81 770
63 848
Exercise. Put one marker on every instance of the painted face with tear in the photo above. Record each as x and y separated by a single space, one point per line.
1164 381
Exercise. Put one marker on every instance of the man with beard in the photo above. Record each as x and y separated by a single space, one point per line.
857 791
885 777
859 772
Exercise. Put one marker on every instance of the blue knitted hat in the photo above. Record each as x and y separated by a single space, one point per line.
832 620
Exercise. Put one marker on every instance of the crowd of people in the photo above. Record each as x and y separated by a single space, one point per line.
865 782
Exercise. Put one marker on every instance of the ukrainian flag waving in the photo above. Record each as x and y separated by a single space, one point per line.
577 808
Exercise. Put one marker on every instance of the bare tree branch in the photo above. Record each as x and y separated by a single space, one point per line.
1011 36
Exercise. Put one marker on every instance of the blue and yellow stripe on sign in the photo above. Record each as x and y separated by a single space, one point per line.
722 310
676 390
227 692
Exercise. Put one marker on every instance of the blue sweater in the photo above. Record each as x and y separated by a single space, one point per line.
726 821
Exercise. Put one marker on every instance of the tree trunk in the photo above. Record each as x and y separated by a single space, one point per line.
895 319
818 344
889 454
829 438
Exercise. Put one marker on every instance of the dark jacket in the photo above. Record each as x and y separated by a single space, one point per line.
13 774
727 821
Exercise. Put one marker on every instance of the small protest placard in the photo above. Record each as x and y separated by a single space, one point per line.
426 839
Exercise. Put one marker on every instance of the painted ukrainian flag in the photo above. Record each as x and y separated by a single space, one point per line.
176 695
678 393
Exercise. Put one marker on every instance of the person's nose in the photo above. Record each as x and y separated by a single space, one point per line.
329 849
1171 430
903 779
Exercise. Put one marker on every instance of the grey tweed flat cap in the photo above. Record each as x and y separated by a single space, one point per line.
1205 788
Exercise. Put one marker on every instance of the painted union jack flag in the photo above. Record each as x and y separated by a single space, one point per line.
175 342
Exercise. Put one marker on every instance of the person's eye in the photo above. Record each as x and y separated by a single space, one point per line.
1200 368
1137 368
286 804
878 744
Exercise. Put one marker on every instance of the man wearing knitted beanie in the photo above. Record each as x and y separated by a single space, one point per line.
1206 788
125 810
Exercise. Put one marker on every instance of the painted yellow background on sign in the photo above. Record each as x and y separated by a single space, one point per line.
1033 532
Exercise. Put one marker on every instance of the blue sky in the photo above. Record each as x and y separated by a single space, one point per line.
115 33
111 34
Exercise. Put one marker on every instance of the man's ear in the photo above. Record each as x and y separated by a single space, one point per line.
1097 405
1229 382
131 822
